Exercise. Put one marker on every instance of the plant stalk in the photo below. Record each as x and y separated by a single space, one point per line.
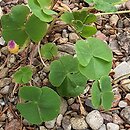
40 54
118 12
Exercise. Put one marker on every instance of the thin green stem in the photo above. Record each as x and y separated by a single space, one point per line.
118 12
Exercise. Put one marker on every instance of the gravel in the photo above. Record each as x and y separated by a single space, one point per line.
112 126
94 119
125 114
78 123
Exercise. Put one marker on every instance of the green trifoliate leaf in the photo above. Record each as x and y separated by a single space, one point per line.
59 69
105 6
38 12
45 3
88 31
49 50
30 112
73 85
19 14
94 56
80 15
13 25
49 12
91 18
29 93
107 98
78 25
23 75
96 68
44 106
105 84
67 17
102 93
96 95
36 29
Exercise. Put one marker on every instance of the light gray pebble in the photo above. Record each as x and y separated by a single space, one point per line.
122 104
4 82
64 33
114 19
66 123
42 128
2 41
50 124
94 119
112 126
73 37
63 107
4 72
125 114
71 101
103 127
59 119
78 123
12 59
5 90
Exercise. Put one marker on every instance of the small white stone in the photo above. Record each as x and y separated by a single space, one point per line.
78 123
42 128
94 119
103 127
50 124
2 41
121 70
63 107
112 126
59 119
122 104
114 19
71 101
5 90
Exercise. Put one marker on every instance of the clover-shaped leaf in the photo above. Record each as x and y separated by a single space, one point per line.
20 27
67 17
23 75
91 18
13 25
78 25
41 104
36 28
96 95
80 20
37 9
59 69
104 5
80 15
49 50
102 93
45 3
94 56
88 31
73 85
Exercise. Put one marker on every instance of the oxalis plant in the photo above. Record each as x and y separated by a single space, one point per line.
68 74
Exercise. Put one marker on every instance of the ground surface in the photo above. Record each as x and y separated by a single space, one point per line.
115 30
